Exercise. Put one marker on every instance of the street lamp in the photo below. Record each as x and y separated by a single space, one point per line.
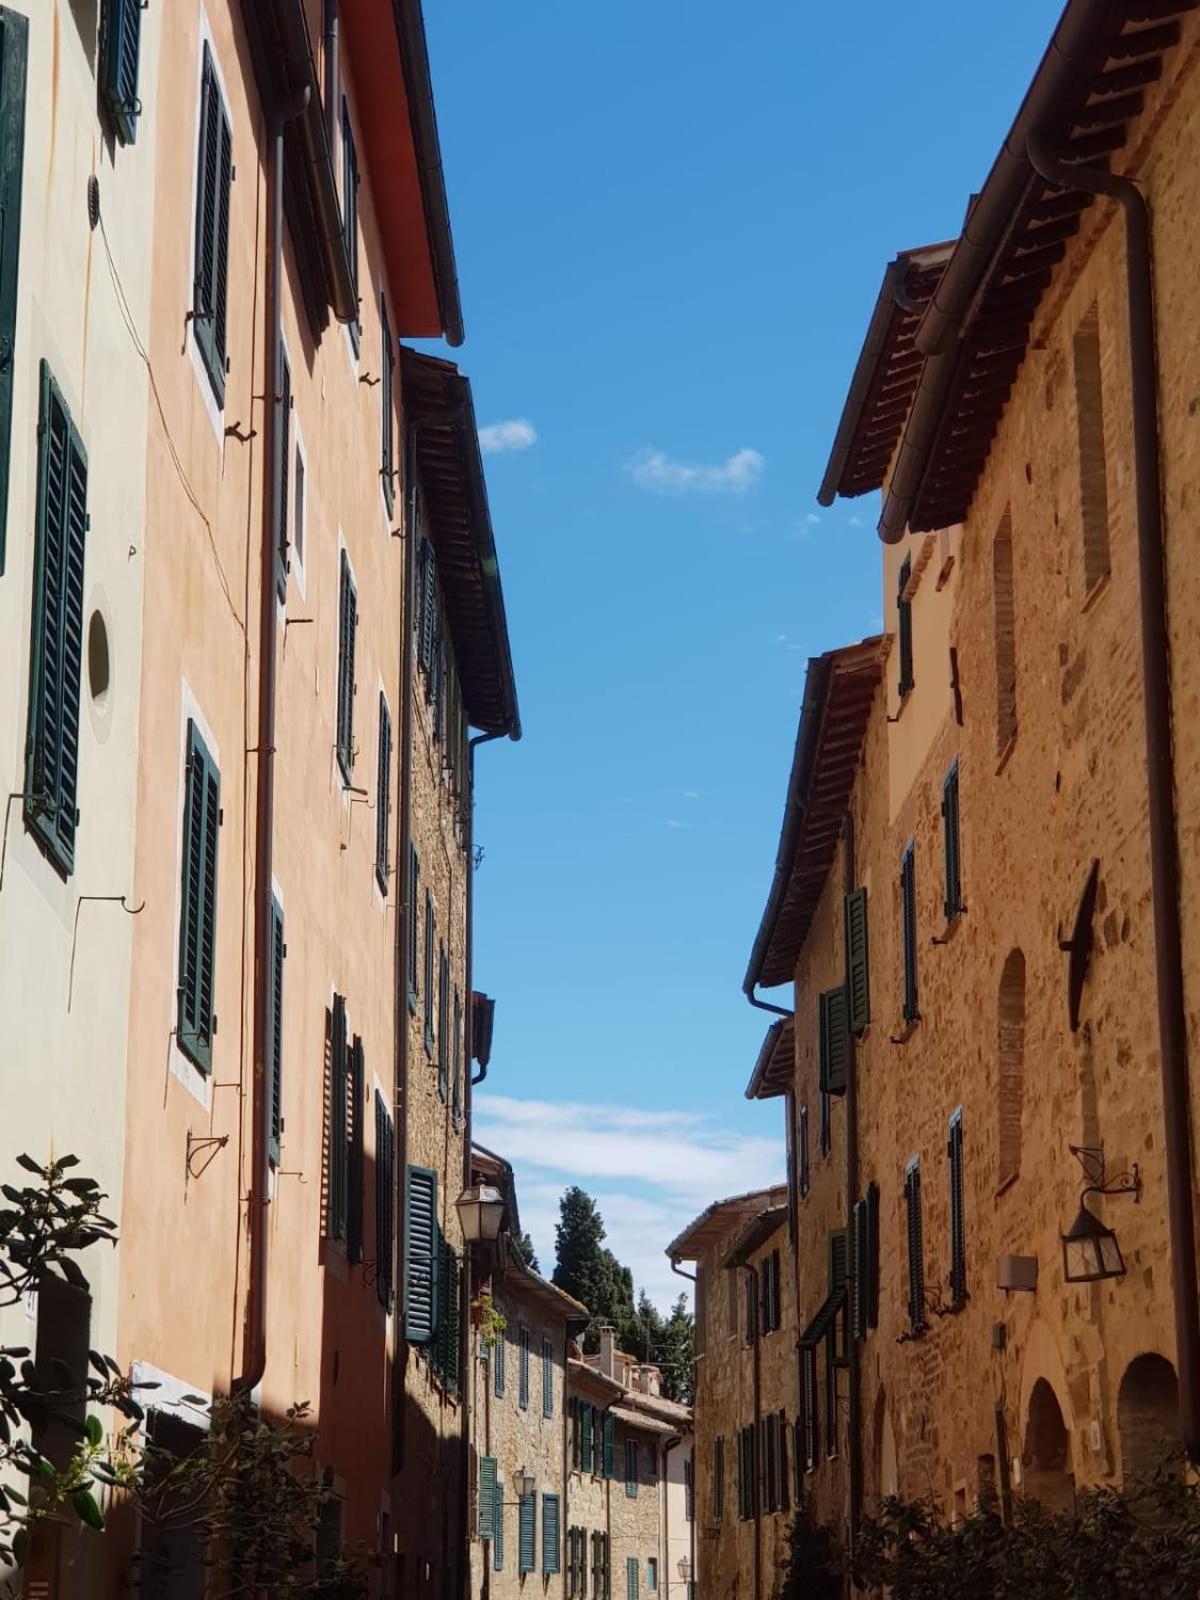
524 1482
685 1568
480 1211
1090 1250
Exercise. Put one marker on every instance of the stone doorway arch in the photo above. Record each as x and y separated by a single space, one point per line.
1046 1455
1147 1419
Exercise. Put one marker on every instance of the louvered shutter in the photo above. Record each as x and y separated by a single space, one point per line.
781 1446
858 1280
356 1162
338 1129
952 903
610 1444
805 1155
430 936
414 932
631 1474
215 174
198 910
498 1366
350 209
916 1247
428 605
527 1553
282 475
420 1256
858 975
486 1518
347 649
547 1378
751 1311
443 1021
908 929
523 1368
631 1578
498 1529
387 401
766 1465
453 1313
551 1559
383 796
14 52
274 1062
958 1221
839 1277
120 41
587 1458
808 1363
872 1233
904 628
835 1046
457 1060
385 1159
56 653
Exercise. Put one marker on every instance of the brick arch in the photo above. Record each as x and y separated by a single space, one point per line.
1010 1064
1147 1418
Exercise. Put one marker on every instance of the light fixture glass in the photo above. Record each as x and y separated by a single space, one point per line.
480 1212
524 1482
1090 1250
685 1568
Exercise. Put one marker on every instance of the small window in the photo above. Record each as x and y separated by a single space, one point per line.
631 1468
120 40
805 1159
908 930
652 1575
958 1221
953 903
213 180
350 209
916 1247
1093 466
347 648
1005 635
904 627
197 1022
383 797
632 1571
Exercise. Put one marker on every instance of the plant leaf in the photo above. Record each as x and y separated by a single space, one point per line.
87 1509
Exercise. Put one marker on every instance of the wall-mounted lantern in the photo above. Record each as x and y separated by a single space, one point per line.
480 1211
1090 1250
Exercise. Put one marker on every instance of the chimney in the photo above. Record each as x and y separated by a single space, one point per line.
650 1380
608 1351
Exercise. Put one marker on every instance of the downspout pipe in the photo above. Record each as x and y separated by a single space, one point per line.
855 1449
1160 764
254 1358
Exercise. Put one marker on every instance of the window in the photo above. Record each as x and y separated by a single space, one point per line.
527 1533
523 1371
805 1161
283 457
958 1221
498 1529
547 1378
56 649
420 1257
769 1278
839 1277
485 1521
430 936
916 1247
443 1021
904 627
425 611
356 1154
953 903
498 1367
610 1445
214 175
278 950
347 644
631 1577
350 209
551 1557
14 49
631 1470
858 976
716 1501
385 1200
1093 470
908 930
120 33
601 1566
689 1498
834 1041
299 504
587 1421
414 937
577 1563
449 1283
383 795
773 1435
652 1575
747 1473
865 1267
387 402
457 1064
810 1419
781 1451
339 1120
751 1310
1012 1064
197 1022
1005 640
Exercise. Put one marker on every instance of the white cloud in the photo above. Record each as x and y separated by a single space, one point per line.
652 469
650 1172
691 794
518 434
812 519
674 822
858 522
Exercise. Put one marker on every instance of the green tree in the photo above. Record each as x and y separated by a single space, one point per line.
678 1353
522 1244
589 1271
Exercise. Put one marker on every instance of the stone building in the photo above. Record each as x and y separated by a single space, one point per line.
982 894
745 1407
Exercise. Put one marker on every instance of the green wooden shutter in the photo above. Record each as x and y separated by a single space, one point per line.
414 932
443 1022
486 1520
527 1551
498 1529
383 796
385 1202
428 605
356 1163
587 1418
808 1365
916 1247
839 1278
858 1269
904 628
350 209
631 1578
56 652
498 1366
609 1440
198 909
215 174
631 1472
281 476
338 1128
120 41
347 646
274 1062
952 904
547 1378
453 1317
958 1221
457 1063
858 976
430 936
420 1256
908 929
872 1232
523 1367
387 401
551 1558
14 52
835 1041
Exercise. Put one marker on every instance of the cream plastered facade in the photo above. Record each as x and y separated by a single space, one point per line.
83 304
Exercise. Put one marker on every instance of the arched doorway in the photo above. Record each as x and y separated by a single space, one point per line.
1046 1458
1147 1419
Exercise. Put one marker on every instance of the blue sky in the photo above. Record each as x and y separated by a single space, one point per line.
671 220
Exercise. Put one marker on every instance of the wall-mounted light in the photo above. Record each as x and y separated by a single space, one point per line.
1090 1250
685 1568
480 1211
524 1482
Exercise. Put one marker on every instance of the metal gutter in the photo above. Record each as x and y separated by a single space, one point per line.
418 86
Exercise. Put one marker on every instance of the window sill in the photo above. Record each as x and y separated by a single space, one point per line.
907 1030
1006 754
1100 587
